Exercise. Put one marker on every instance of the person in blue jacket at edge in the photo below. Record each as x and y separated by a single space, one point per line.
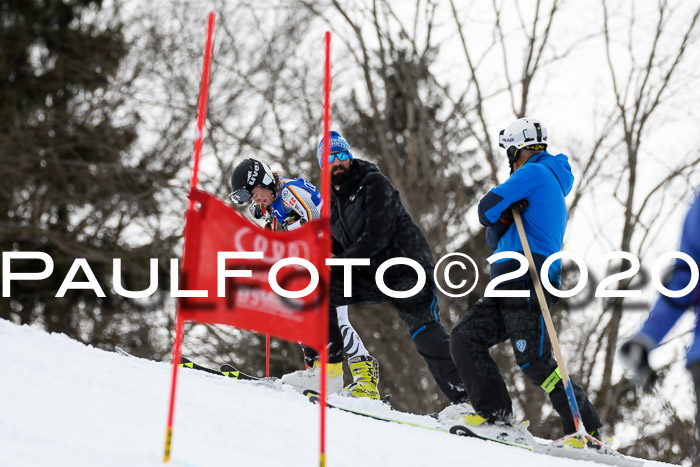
537 186
634 353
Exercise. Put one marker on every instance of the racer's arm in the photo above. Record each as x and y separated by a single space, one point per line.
301 205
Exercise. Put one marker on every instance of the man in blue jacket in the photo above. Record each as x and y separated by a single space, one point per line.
634 353
537 186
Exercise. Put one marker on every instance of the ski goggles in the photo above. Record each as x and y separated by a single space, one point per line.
341 156
240 196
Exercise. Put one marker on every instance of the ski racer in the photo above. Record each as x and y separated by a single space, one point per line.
537 186
288 204
368 220
634 353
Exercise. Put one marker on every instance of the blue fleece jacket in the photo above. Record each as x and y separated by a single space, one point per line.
544 181
668 310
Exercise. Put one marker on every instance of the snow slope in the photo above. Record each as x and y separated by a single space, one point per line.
66 404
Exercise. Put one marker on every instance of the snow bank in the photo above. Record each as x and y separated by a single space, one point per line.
64 404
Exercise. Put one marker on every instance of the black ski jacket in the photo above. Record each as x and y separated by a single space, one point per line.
368 220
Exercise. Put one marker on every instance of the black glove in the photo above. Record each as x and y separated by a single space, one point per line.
634 356
503 223
507 215
255 210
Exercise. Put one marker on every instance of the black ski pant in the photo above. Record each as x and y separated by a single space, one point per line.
419 313
492 321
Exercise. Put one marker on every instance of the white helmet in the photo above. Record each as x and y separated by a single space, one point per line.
525 132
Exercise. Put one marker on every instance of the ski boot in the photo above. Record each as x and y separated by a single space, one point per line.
455 411
309 378
576 442
474 419
365 374
495 427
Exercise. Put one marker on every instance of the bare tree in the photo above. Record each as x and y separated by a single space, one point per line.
646 81
71 186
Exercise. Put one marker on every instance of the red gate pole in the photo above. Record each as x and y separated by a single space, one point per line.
199 136
202 104
267 355
325 215
179 328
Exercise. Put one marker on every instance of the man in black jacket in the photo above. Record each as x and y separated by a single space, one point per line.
368 220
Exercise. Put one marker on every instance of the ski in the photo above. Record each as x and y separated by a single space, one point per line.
122 352
314 397
233 372
520 437
600 453
517 436
519 441
230 372
187 363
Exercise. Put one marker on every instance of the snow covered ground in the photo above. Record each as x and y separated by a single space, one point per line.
66 404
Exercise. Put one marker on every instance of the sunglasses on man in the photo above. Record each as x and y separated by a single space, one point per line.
341 156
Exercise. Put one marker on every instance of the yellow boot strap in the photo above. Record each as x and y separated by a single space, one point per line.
552 380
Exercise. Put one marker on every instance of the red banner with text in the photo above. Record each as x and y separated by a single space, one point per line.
236 273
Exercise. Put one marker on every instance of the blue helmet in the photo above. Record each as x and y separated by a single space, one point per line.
338 144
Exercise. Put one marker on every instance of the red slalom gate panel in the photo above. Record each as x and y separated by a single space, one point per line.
214 231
